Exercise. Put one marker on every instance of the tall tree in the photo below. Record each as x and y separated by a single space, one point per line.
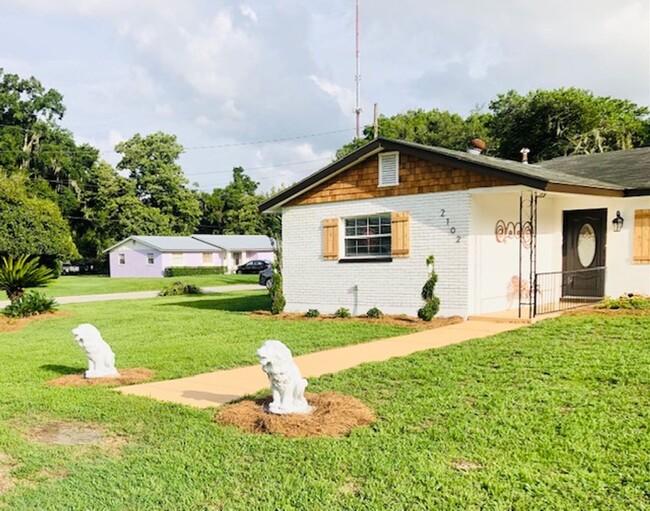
31 225
113 211
560 122
159 180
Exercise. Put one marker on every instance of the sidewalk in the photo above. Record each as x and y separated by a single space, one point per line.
145 294
217 388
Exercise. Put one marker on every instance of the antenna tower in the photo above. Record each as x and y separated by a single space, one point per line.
357 77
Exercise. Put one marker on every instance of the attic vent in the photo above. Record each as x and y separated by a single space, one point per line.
389 169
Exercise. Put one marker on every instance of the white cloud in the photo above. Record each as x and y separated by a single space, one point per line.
247 11
345 98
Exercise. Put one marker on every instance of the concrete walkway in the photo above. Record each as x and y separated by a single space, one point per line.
145 294
214 389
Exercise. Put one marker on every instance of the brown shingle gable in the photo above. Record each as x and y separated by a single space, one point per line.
416 175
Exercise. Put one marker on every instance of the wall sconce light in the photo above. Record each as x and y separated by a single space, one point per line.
618 222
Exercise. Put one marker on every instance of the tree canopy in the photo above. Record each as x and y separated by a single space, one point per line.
30 225
550 123
565 121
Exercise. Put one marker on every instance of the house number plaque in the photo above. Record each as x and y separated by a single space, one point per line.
452 229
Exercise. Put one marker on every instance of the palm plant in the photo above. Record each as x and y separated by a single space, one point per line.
18 274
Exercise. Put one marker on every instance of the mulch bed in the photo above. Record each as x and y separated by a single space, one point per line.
334 415
8 324
393 320
127 377
594 311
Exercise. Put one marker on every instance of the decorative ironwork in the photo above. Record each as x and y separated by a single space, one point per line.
504 231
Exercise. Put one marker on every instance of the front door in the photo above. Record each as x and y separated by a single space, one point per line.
583 253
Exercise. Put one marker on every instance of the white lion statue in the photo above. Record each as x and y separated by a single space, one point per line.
101 359
287 385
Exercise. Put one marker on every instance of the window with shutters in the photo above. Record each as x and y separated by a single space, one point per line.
642 236
368 236
389 169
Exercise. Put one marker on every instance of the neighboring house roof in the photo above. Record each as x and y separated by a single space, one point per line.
202 243
232 242
548 176
169 243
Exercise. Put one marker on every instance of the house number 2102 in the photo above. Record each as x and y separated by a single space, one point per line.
452 229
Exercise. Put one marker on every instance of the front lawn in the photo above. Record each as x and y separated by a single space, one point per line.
555 416
78 285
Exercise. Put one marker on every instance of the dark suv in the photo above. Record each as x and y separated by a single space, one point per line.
266 278
254 266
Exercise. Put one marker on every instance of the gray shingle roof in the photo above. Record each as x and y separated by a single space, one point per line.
202 242
236 241
627 169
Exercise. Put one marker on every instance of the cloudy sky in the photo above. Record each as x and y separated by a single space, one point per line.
269 85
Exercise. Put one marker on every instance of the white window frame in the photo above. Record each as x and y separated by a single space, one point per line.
150 258
382 156
387 221
121 259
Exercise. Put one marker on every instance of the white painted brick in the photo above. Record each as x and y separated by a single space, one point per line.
394 287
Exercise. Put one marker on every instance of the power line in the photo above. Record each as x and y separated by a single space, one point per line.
204 147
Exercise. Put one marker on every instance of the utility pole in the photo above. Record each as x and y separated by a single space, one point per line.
357 78
375 121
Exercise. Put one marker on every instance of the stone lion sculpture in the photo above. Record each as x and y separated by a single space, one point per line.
287 385
101 359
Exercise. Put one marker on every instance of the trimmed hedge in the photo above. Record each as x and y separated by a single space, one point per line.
180 271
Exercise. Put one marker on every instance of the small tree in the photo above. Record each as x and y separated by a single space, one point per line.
278 301
432 302
18 274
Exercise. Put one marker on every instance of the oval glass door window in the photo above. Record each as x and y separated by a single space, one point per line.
586 245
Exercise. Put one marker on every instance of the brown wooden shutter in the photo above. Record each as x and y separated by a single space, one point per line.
642 236
331 238
400 233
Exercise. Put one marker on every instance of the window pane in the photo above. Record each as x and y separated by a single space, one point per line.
368 236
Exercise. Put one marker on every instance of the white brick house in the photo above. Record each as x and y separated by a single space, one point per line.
357 233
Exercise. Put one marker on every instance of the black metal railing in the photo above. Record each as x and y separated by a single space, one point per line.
563 290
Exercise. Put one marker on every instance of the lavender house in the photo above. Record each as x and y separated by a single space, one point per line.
148 256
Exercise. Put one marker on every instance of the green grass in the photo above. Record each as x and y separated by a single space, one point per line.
555 416
93 284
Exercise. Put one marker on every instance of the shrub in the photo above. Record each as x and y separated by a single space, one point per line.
430 309
184 271
278 301
180 288
342 313
375 313
312 313
432 302
18 274
629 301
30 304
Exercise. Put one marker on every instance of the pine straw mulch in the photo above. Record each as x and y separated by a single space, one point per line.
392 320
595 311
126 377
334 415
8 324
